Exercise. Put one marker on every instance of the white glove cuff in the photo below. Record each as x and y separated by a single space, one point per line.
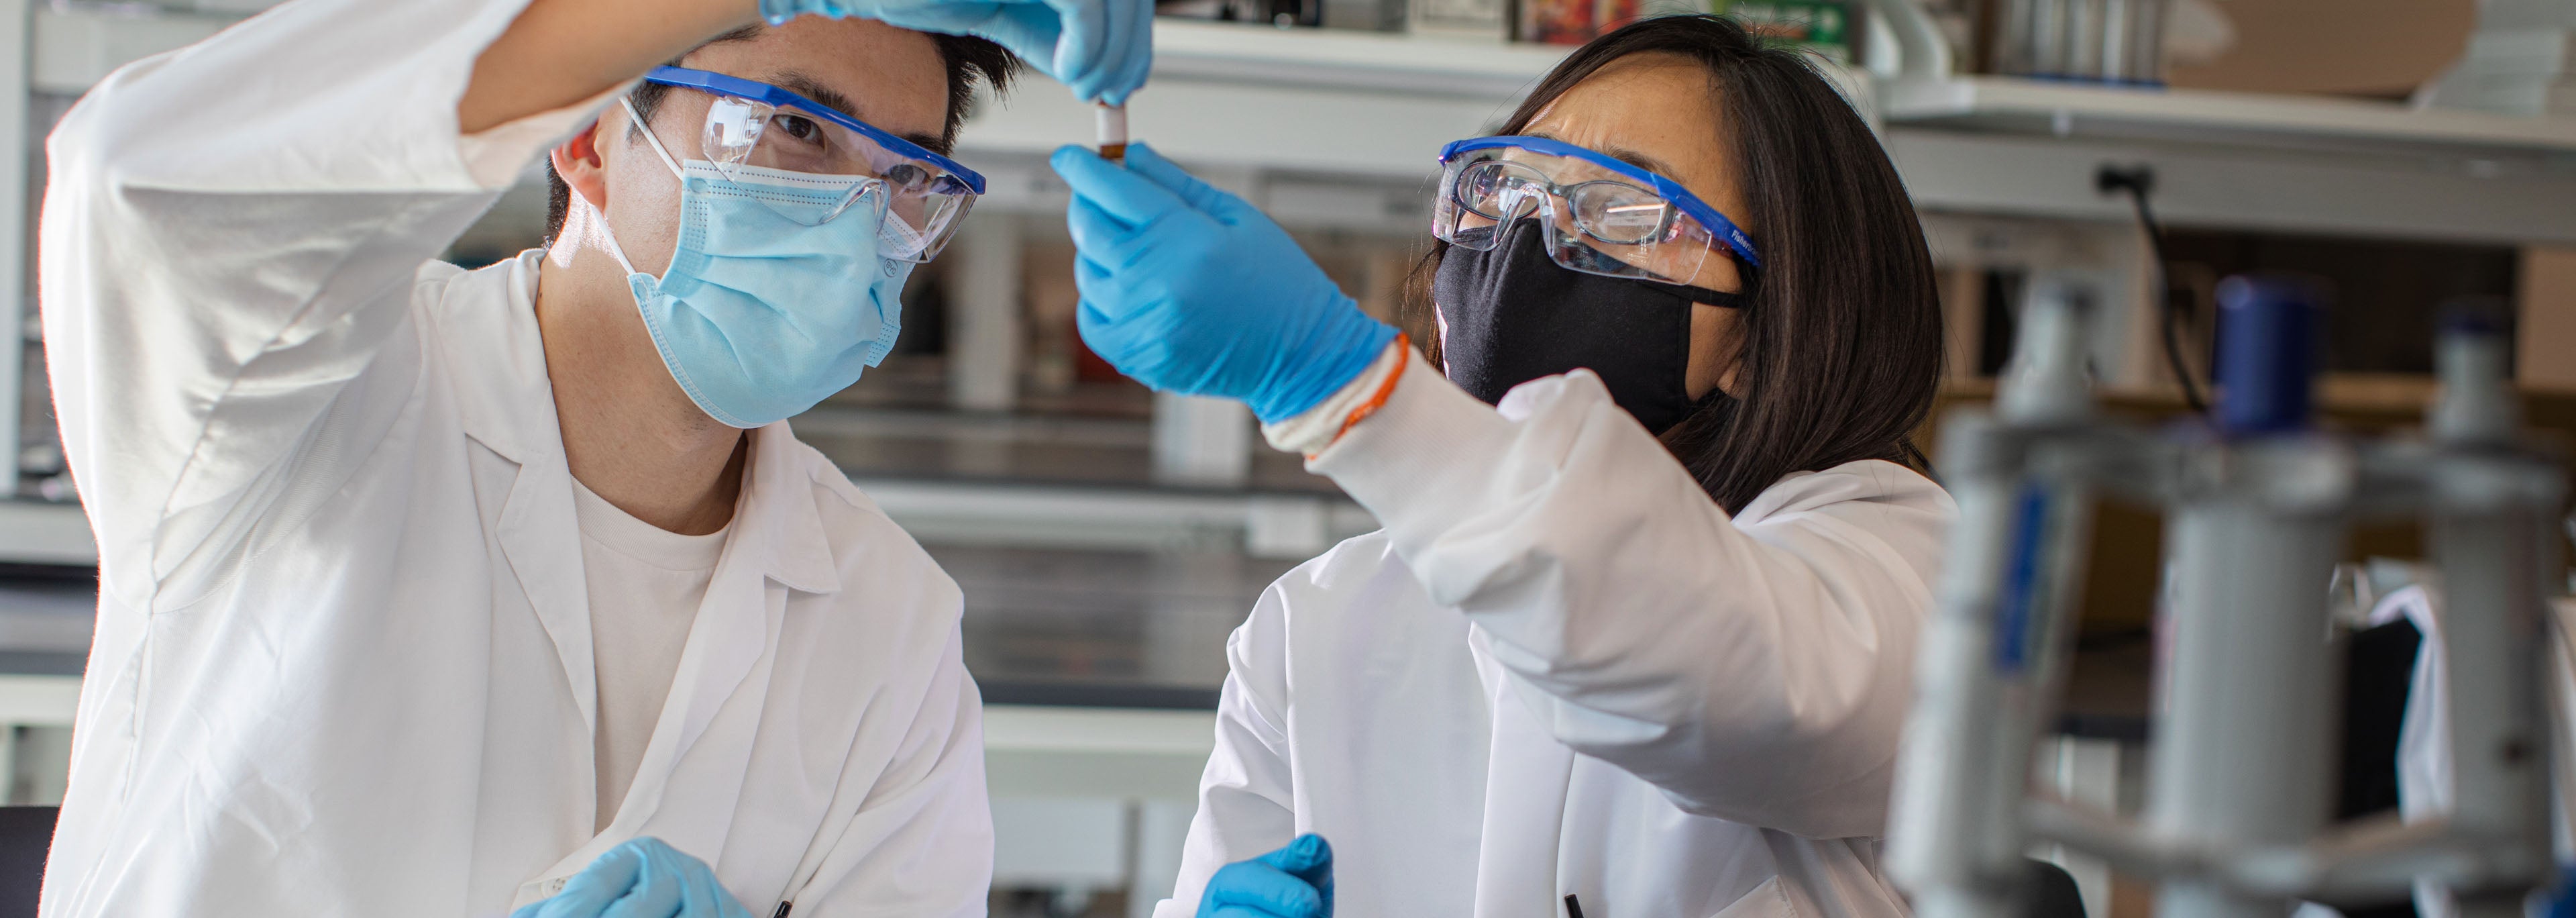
1308 432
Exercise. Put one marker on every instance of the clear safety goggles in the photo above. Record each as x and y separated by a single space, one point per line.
1600 215
760 135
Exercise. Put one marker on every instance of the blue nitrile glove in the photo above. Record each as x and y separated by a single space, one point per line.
1292 882
642 878
1189 289
1103 49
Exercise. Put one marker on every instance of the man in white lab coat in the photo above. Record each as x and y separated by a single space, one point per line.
420 588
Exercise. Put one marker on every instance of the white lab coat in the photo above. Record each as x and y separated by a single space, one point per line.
343 660
1562 669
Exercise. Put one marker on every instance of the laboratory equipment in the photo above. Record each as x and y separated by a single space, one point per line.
2236 819
2105 41
1110 125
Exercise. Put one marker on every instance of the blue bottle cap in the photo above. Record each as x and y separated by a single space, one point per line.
2267 353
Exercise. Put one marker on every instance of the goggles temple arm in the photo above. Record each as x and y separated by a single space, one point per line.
646 128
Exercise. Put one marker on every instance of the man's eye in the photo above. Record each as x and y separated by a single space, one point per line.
799 127
908 177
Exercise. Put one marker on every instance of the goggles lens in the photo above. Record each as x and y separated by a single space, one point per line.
1600 216
760 135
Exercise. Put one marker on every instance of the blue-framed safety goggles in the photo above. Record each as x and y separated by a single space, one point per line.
763 135
1601 215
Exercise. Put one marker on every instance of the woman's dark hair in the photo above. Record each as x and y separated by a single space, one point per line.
1839 350
967 58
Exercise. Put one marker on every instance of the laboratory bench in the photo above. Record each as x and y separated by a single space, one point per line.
930 444
1071 628
1050 627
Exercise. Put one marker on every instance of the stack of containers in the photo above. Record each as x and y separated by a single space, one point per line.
2116 42
2521 61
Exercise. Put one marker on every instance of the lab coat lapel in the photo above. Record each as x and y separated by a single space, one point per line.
1526 781
777 548
536 528
778 536
716 664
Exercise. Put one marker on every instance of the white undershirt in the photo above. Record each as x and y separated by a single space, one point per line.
645 586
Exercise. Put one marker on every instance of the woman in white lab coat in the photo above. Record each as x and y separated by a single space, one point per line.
1639 642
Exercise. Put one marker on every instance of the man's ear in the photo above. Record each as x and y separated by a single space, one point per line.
577 161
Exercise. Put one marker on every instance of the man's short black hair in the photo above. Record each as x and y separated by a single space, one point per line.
967 58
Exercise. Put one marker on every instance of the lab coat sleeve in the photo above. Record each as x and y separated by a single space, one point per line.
1246 805
231 239
1757 673
921 841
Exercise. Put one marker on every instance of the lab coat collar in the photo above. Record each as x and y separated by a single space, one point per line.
780 519
493 402
777 525
1874 480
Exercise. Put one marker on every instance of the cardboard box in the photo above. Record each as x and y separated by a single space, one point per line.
2375 48
2545 333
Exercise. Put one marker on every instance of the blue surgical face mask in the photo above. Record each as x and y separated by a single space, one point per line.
761 316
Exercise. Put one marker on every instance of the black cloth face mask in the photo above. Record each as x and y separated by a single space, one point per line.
1513 315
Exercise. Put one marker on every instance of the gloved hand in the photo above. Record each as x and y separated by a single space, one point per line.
642 878
1188 289
1292 882
1101 48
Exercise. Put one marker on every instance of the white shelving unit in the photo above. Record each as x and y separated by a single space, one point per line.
1254 97
1264 101
1243 97
2309 123
1333 59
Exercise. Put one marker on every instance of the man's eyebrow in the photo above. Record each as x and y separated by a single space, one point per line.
810 88
830 98
1622 154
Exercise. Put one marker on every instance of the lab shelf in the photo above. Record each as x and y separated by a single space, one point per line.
2316 123
1339 59
32 532
74 45
1369 110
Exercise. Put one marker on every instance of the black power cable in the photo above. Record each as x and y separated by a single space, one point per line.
2138 183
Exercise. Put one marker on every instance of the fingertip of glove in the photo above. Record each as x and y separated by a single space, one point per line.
1306 853
1312 850
1069 155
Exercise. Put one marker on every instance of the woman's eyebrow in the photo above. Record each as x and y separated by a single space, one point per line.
1639 160
1622 154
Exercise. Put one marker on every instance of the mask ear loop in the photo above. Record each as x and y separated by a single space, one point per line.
615 250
